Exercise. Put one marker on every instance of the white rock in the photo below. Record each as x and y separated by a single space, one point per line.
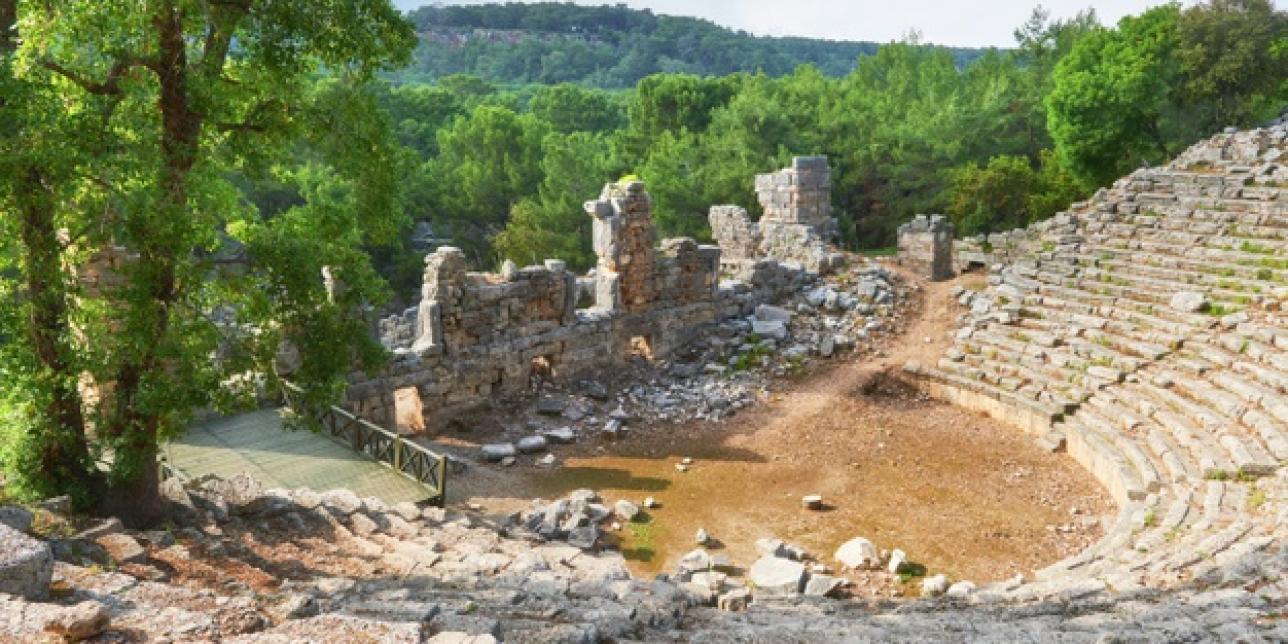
626 510
1189 301
702 538
934 586
858 553
897 561
961 589
776 576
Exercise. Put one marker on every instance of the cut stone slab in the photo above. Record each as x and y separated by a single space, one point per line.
26 564
776 576
858 553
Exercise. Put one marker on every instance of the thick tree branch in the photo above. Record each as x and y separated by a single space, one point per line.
109 86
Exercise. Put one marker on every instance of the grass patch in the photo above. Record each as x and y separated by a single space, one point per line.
1257 498
887 251
1256 249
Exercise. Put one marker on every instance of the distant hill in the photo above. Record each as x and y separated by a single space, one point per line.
606 46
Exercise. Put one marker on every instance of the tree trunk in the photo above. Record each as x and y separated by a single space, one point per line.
64 449
137 500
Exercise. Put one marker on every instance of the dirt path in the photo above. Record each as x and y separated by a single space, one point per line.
961 493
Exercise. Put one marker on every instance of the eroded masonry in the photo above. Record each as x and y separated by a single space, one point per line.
477 335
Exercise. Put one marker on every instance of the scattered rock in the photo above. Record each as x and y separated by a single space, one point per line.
626 510
79 622
897 561
560 435
531 444
495 452
1189 301
26 565
961 589
702 538
823 585
859 554
934 586
121 547
16 517
776 576
735 600
812 502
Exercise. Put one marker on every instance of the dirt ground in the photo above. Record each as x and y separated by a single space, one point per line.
960 493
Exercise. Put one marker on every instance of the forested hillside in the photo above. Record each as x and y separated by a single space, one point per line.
606 46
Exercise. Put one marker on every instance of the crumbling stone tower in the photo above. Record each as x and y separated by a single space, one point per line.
799 194
623 239
796 225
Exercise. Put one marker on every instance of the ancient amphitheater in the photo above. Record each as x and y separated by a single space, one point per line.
1141 332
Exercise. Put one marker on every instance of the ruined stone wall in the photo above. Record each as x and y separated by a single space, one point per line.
796 226
983 251
926 246
478 335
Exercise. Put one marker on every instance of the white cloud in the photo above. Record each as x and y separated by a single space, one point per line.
949 22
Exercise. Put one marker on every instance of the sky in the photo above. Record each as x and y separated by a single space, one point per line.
966 23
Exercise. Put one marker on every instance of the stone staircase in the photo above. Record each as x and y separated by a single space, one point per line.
1143 332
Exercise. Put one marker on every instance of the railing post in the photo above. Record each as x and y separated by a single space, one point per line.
398 445
441 483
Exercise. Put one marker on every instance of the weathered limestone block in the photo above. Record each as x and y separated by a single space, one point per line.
26 564
926 245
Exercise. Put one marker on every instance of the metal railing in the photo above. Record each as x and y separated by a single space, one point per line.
405 457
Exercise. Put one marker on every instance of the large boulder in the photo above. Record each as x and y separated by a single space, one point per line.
858 553
26 564
777 576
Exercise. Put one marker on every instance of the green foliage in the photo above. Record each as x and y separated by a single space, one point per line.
605 46
553 224
169 117
1144 90
569 108
490 159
